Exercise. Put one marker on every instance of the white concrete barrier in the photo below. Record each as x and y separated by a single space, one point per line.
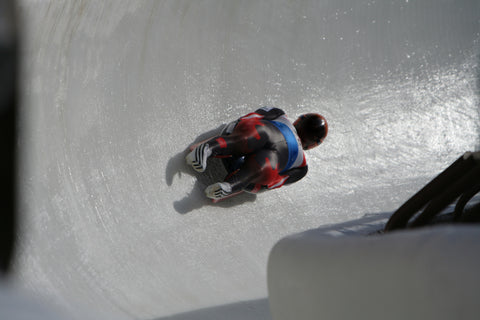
430 273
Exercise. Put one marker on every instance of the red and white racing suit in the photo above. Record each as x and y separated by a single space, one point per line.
269 148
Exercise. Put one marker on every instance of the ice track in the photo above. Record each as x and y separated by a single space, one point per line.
114 91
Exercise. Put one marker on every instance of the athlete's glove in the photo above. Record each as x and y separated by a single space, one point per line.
198 157
218 190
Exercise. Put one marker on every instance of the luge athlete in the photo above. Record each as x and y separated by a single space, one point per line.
261 150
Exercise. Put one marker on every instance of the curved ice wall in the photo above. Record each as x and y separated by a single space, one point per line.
113 92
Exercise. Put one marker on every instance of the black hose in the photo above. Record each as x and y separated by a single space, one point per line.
447 196
402 216
462 202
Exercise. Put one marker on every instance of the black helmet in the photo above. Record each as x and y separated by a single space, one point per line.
312 128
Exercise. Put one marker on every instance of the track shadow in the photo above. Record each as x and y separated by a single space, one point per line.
369 224
252 310
215 172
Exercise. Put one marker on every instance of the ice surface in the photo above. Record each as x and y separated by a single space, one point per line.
114 91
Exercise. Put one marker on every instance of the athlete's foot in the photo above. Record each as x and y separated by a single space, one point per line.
218 190
198 157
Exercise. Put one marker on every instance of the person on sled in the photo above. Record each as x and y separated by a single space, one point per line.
262 150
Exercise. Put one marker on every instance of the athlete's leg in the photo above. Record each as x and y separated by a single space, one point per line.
260 168
225 145
247 137
248 173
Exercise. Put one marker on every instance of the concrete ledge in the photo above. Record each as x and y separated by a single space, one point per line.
430 273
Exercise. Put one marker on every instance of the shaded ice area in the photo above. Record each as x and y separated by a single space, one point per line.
114 91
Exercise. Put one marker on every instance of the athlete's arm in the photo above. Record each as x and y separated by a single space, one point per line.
295 174
270 113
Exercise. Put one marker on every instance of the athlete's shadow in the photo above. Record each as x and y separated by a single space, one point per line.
215 172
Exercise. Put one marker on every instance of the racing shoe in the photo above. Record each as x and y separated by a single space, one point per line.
218 190
198 157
